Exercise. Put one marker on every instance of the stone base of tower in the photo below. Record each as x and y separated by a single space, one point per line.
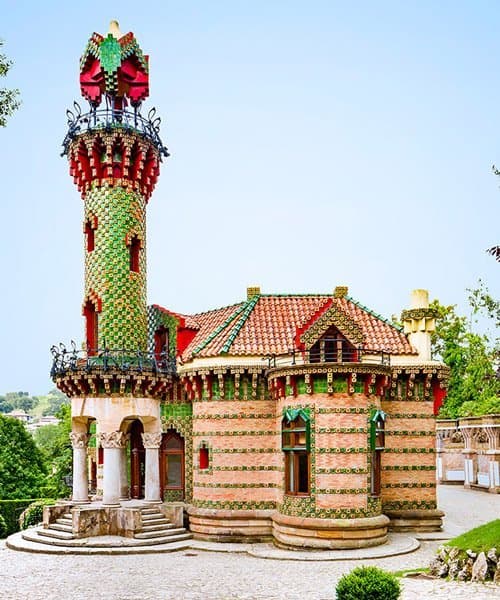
415 521
216 525
299 533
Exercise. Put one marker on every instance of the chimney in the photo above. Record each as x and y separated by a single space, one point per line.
340 291
253 291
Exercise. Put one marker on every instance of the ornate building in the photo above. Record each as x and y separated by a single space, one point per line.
305 418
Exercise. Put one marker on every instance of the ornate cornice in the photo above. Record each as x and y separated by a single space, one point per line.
325 368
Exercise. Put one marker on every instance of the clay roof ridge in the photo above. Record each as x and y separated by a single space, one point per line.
309 295
248 308
218 329
374 314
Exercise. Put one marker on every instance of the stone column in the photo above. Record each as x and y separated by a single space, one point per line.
124 487
79 442
152 443
113 443
493 452
469 453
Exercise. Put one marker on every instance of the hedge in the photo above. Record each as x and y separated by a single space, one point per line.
11 510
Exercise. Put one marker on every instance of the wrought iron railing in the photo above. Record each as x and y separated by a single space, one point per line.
104 359
330 350
110 118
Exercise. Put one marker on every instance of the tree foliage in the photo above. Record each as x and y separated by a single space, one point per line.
474 386
9 99
22 468
55 445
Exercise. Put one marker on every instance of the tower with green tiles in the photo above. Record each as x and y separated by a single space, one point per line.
114 154
116 381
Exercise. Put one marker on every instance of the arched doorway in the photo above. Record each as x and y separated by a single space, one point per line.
137 460
172 465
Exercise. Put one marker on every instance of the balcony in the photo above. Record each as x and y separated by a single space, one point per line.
110 119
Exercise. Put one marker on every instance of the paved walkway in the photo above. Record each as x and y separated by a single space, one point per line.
206 575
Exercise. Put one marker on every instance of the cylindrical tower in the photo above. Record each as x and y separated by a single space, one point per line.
114 155
115 383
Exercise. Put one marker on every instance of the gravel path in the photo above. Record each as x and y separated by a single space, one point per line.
198 575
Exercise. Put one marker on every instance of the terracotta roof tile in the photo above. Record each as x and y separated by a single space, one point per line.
269 324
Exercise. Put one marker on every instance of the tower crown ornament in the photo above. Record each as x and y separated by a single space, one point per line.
116 67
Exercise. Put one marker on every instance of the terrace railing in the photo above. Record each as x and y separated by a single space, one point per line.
65 361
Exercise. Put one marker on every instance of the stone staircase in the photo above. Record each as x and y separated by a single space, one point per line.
158 534
156 529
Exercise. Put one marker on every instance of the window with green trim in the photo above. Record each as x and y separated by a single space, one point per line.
295 443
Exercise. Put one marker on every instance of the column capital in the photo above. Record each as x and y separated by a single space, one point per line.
152 440
113 439
79 440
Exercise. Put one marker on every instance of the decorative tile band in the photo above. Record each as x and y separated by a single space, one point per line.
223 486
409 468
342 430
347 411
224 416
232 433
410 450
409 505
249 468
235 505
354 491
246 451
341 471
342 450
410 433
408 485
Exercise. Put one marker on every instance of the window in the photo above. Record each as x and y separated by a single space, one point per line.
333 347
91 327
203 458
295 443
135 247
89 233
377 446
172 450
161 341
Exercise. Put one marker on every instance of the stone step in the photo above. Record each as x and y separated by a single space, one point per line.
145 535
151 522
168 539
149 511
59 535
153 517
60 527
65 521
33 536
158 527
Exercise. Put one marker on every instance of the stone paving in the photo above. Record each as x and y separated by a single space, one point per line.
195 574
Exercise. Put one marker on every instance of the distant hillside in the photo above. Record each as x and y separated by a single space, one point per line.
35 406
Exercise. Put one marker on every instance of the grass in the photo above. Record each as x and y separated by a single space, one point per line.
479 539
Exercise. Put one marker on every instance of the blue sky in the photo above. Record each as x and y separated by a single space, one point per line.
313 144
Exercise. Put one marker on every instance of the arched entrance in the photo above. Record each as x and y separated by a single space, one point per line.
172 465
137 460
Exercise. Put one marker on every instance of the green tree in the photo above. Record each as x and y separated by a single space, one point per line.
9 99
5 405
54 443
474 387
22 468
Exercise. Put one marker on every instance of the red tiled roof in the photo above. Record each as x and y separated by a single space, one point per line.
268 324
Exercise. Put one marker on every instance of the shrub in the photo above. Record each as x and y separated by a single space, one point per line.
3 527
368 583
10 511
33 514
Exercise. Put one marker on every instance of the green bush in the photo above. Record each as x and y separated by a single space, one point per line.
10 510
368 583
3 527
33 514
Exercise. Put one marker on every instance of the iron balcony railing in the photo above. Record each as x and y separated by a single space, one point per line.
330 350
104 359
110 118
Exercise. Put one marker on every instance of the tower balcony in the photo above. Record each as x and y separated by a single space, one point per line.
110 119
111 372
